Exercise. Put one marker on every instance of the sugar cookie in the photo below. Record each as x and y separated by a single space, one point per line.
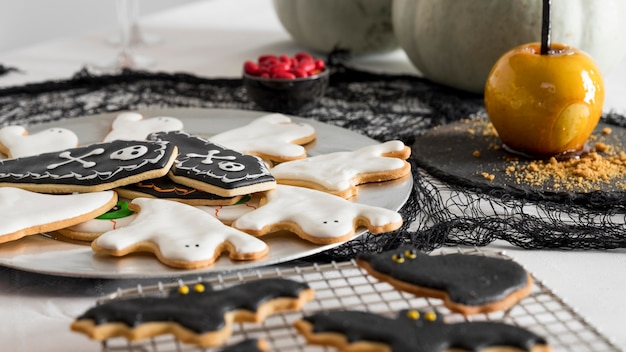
467 284
340 173
227 214
165 188
194 314
316 216
273 137
209 167
179 235
416 331
27 213
132 126
91 168
117 217
16 142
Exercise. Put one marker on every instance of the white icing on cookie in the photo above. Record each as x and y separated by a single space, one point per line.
26 213
314 215
270 136
339 171
177 232
229 213
98 226
18 143
133 127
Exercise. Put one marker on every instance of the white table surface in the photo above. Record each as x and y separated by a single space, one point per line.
212 39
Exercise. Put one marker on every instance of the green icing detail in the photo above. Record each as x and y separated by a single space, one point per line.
120 210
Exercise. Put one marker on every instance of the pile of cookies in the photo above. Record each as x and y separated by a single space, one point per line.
149 186
468 284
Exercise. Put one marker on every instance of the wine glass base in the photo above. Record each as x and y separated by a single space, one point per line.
144 39
122 62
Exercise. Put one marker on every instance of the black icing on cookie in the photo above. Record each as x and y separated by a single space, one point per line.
416 331
95 167
215 169
196 308
466 280
250 345
165 188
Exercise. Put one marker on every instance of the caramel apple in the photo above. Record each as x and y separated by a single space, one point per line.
544 99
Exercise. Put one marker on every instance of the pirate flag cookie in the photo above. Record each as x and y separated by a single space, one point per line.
467 284
415 331
212 168
92 168
194 314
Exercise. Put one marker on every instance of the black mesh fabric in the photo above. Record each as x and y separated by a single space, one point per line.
383 107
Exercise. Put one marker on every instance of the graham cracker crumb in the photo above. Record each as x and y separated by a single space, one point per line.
607 131
476 153
488 176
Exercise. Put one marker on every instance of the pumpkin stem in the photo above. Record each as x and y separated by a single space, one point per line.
545 28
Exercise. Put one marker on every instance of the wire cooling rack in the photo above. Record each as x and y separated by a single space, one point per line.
345 286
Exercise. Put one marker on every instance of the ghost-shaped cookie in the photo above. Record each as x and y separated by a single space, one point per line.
340 173
16 142
180 235
316 216
132 126
27 213
273 137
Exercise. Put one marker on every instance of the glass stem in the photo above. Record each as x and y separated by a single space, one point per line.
125 22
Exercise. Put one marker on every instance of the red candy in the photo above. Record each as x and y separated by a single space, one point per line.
284 67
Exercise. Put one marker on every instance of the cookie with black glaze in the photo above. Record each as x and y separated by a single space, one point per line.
250 345
212 168
166 188
194 314
97 167
468 284
414 330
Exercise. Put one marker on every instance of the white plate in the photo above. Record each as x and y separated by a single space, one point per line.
42 254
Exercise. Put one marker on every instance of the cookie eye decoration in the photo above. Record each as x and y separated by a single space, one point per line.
398 258
413 314
183 290
198 288
119 211
430 316
410 253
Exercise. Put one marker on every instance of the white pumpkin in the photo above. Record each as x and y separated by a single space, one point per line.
360 26
456 42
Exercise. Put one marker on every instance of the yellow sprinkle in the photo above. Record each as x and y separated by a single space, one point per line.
410 254
198 287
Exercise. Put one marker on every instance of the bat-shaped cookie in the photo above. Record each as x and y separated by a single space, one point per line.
415 331
194 314
468 284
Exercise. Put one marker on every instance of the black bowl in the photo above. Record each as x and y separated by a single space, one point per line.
289 96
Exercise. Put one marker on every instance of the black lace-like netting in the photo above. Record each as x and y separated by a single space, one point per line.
383 107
